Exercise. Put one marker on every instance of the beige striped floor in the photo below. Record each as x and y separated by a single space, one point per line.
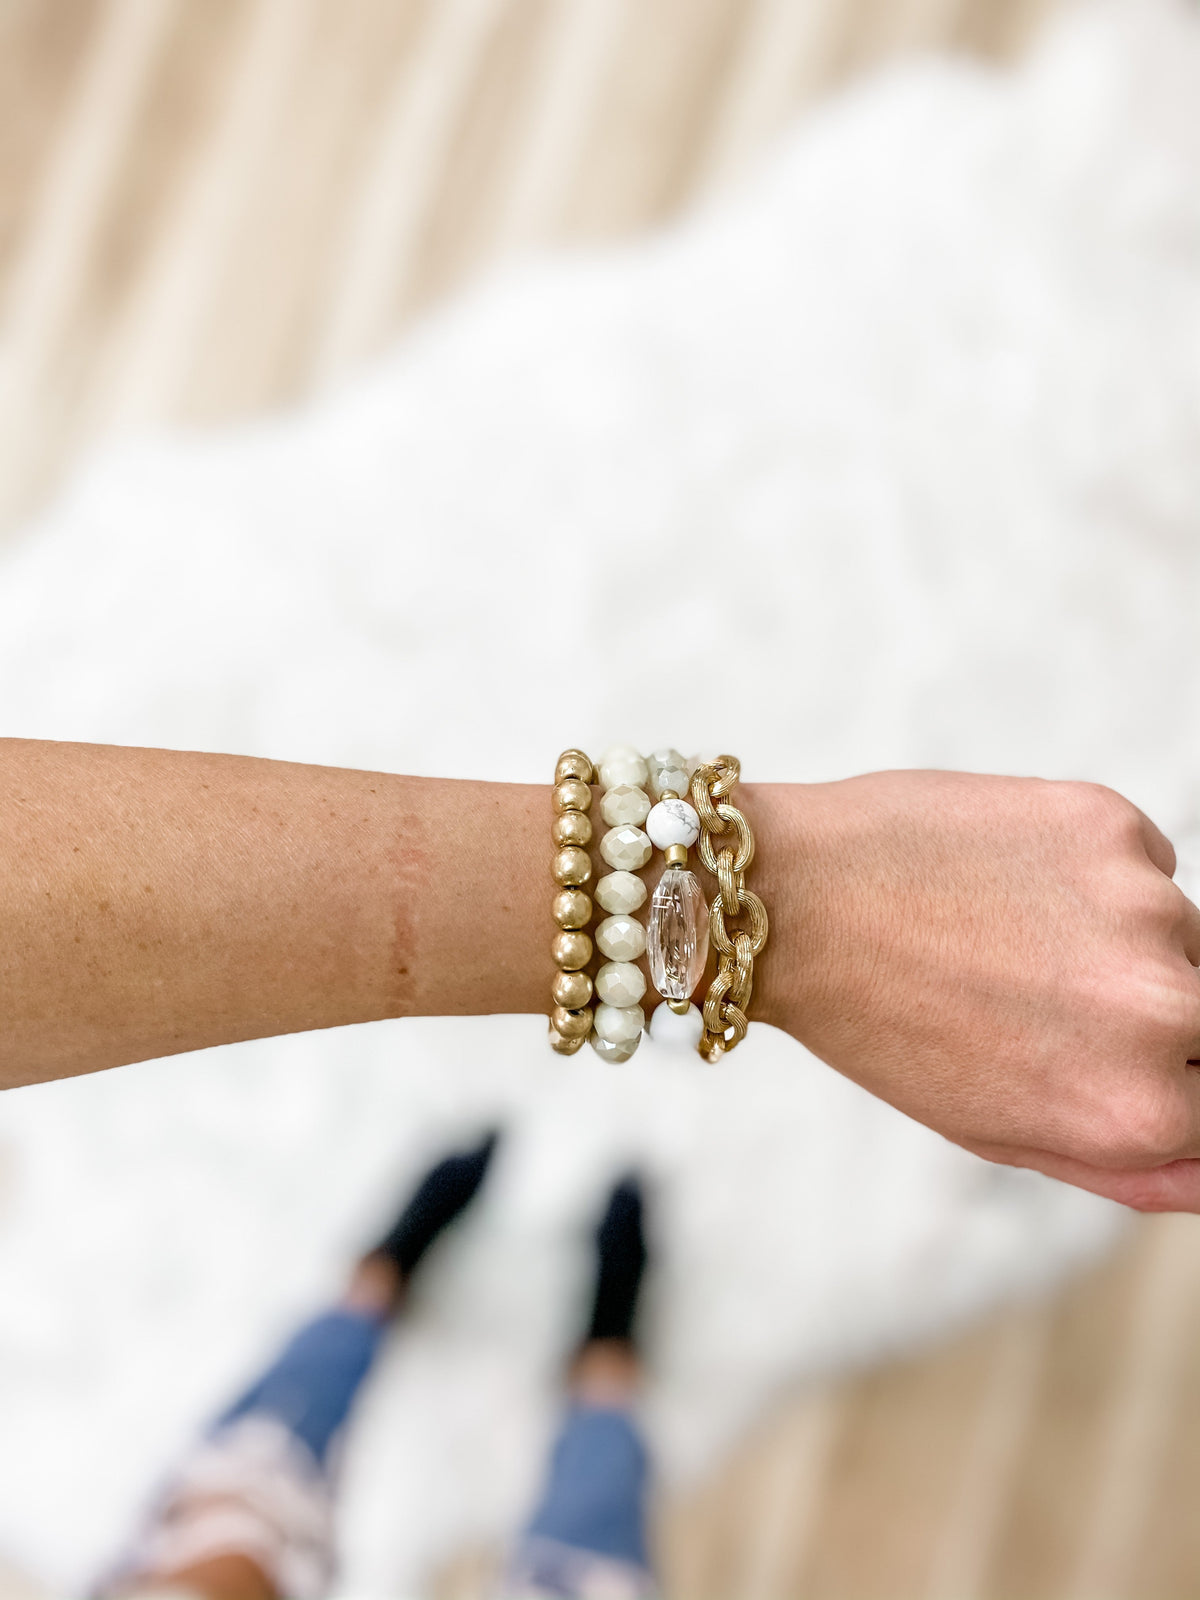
207 206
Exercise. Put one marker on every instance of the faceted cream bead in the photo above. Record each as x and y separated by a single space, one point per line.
620 939
571 989
625 803
620 983
571 950
619 1024
572 827
573 764
673 822
622 764
574 866
565 1046
668 770
572 908
626 848
620 892
572 795
675 1031
607 1051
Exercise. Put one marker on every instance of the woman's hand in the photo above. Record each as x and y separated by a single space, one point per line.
1005 959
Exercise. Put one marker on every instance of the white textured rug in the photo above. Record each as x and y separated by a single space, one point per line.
932 385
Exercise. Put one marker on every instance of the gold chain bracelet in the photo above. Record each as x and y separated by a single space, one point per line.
729 993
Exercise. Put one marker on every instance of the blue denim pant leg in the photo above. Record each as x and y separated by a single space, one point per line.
311 1385
593 1506
276 1437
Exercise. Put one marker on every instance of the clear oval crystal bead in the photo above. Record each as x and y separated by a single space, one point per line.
677 938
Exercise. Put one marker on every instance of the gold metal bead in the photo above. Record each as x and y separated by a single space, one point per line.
680 1007
572 908
675 855
668 794
571 950
573 764
572 866
572 795
564 1046
571 989
571 1024
572 827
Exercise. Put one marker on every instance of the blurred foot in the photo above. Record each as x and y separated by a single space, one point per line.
381 1278
224 1577
606 1368
605 1372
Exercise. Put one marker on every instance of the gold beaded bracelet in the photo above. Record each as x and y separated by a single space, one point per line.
571 1018
729 993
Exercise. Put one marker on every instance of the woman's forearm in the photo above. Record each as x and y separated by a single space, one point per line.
158 901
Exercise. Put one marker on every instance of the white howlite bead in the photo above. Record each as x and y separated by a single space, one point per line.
619 1024
620 983
622 764
625 803
676 1031
619 893
626 848
673 822
608 1051
621 938
668 770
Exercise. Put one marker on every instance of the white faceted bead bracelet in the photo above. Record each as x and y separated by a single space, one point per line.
619 1019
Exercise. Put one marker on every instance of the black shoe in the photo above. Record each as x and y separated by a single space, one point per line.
442 1194
620 1264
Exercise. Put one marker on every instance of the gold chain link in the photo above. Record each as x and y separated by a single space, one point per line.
728 996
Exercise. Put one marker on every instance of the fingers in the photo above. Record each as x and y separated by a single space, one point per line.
1162 854
1135 1138
1174 1186
1188 930
1173 922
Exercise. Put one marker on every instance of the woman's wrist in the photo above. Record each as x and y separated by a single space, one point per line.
789 825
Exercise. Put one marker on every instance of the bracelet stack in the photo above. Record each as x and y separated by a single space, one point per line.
676 940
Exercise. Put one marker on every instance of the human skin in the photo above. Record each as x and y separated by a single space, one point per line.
1004 959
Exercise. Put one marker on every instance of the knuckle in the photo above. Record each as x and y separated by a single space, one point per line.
1163 901
1141 901
1107 815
